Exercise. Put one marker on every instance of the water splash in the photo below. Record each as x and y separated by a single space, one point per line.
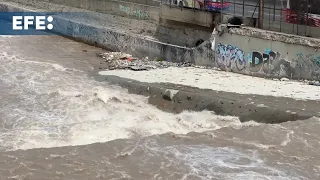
48 105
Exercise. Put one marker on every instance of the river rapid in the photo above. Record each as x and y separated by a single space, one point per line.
57 122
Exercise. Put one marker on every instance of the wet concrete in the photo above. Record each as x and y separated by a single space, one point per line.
229 151
247 107
265 109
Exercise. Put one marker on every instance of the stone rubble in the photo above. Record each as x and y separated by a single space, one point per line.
284 79
314 83
119 60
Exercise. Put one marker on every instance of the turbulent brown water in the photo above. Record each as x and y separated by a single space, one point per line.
56 122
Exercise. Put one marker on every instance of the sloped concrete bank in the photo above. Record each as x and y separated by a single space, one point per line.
176 98
72 26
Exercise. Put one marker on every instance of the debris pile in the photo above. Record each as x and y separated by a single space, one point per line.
314 83
119 60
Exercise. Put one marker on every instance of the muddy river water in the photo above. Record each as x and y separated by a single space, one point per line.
57 122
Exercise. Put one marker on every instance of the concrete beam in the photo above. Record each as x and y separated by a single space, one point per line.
184 15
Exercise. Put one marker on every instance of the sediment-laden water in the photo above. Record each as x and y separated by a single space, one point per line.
57 122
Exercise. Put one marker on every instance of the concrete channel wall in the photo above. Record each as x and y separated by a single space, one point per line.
234 51
186 98
268 54
143 10
243 50
115 40
116 7
190 16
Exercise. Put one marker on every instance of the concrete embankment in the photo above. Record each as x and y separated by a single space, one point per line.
165 96
242 50
176 98
140 37
86 28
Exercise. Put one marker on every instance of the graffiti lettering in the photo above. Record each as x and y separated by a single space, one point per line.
230 57
316 60
306 66
137 12
141 14
125 9
270 62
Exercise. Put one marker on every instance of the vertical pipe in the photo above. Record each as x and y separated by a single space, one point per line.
274 10
222 8
260 22
221 13
290 17
298 16
281 19
269 17
243 9
234 7
307 25
310 12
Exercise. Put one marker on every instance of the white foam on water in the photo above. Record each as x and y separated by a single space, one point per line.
47 105
7 36
207 162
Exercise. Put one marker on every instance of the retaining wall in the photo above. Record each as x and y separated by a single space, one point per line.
191 16
141 9
119 41
268 54
124 8
173 32
115 40
242 50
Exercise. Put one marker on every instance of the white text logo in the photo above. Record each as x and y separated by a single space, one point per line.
23 22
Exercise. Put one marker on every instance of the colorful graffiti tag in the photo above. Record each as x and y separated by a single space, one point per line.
140 14
306 66
316 60
125 9
230 57
270 63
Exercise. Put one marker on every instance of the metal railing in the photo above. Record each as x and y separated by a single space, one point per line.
303 17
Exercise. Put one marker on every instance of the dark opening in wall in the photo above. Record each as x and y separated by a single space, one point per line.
235 21
199 42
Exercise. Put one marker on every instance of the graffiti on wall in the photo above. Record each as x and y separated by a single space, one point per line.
316 60
306 65
140 14
125 9
270 63
230 57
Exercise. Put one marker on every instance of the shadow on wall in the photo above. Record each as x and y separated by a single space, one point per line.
181 35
